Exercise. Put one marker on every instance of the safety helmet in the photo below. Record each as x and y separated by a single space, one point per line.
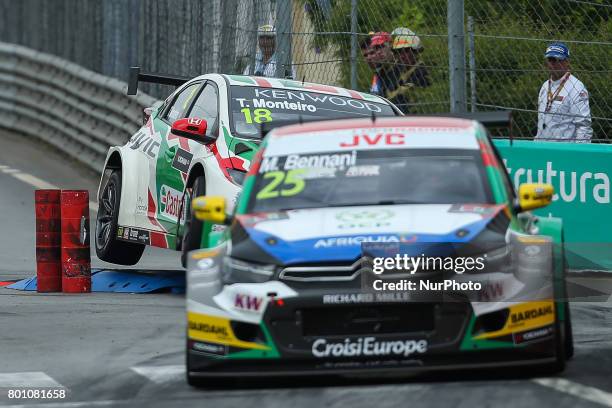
405 38
380 38
266 30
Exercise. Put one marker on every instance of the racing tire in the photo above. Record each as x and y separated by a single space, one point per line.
560 352
568 334
192 232
108 247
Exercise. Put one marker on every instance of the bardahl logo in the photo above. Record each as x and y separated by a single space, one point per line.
519 317
220 331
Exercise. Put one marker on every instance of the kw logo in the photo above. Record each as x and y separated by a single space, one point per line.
246 302
492 291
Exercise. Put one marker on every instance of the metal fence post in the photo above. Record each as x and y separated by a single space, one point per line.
472 62
353 44
284 9
456 56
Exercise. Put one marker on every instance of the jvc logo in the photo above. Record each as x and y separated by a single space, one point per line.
141 141
246 302
374 140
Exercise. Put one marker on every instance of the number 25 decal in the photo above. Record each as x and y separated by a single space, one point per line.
291 184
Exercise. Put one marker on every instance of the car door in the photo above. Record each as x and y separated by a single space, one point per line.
177 152
165 182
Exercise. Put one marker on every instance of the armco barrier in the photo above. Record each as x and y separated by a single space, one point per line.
78 111
581 176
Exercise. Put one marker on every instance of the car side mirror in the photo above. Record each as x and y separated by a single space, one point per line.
210 208
534 195
192 128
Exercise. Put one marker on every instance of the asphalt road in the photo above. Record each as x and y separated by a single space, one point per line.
125 350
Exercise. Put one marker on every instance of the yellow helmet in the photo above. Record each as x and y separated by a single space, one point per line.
405 38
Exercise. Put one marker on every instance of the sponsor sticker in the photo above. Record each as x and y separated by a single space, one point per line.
212 329
170 202
210 348
182 160
356 298
367 346
247 302
531 335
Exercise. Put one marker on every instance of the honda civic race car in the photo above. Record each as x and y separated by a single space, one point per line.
290 287
200 140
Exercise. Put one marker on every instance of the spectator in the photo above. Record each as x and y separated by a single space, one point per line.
265 59
563 102
408 70
379 57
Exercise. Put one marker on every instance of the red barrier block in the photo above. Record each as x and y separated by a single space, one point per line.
75 254
48 252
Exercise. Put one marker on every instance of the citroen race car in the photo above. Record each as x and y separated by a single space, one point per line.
291 287
200 140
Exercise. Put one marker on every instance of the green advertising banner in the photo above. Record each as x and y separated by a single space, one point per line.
581 176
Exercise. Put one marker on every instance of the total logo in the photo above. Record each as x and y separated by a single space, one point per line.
367 346
170 200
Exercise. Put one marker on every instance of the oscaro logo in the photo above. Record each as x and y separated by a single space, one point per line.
368 346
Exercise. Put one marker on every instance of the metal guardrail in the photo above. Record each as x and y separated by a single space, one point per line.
78 111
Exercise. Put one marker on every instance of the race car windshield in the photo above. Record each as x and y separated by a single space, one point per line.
252 106
369 177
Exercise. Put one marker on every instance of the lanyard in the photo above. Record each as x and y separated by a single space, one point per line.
550 97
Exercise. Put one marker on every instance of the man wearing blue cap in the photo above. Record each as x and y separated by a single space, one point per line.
563 102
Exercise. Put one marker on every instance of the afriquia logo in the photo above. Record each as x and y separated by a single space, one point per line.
569 185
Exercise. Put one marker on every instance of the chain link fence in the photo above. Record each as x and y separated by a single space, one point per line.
496 58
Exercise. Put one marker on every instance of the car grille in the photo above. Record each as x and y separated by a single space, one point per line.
367 319
322 273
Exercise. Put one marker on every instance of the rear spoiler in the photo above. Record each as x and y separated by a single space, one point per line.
490 120
164 79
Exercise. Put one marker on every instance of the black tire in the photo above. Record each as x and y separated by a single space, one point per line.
108 248
569 333
192 231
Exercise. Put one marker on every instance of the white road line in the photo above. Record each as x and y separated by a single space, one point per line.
161 374
34 181
31 379
578 390
38 183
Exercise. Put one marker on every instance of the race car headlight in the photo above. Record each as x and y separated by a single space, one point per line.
236 271
236 175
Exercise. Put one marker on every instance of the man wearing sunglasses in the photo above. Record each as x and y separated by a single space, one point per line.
563 103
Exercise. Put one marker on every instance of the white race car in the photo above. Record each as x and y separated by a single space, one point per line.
201 140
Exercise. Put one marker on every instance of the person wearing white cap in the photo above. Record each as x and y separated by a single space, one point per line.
408 71
265 59
563 102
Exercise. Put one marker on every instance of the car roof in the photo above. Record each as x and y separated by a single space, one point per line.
290 84
381 133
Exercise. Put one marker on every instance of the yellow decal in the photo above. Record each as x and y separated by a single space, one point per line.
205 254
525 316
216 330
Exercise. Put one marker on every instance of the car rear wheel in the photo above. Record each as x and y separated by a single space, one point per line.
108 247
192 235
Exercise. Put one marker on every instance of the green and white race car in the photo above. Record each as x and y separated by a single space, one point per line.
201 140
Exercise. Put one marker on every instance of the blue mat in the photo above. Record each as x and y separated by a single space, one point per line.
124 281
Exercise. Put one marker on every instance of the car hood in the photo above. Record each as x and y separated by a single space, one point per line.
336 234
